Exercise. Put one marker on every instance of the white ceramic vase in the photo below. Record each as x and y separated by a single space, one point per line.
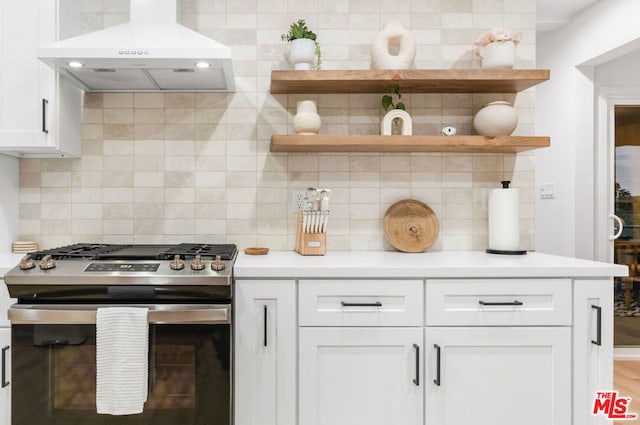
498 118
404 127
302 53
498 55
393 48
307 121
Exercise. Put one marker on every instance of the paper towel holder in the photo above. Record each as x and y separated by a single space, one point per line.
505 185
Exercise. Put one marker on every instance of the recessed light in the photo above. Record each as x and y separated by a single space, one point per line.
75 64
203 65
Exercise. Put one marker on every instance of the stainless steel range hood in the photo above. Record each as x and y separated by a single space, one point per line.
150 53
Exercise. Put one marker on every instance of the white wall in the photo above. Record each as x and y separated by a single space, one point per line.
9 202
566 112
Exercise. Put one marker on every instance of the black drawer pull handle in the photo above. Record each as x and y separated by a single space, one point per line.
499 303
375 304
437 380
45 104
264 341
598 340
5 383
417 379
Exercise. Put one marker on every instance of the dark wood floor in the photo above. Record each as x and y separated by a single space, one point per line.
626 331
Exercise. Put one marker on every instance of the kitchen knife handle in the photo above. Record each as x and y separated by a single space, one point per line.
5 383
45 105
437 380
264 340
598 340
500 303
375 304
417 379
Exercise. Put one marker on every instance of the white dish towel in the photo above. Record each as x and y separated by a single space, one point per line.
122 347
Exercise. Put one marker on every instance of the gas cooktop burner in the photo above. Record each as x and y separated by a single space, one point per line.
186 251
122 272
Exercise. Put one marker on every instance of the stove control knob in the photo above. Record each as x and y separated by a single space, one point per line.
177 263
217 264
197 264
26 263
47 263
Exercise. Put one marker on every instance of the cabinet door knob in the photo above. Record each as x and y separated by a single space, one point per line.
266 329
598 340
5 383
375 304
488 303
45 105
417 378
437 380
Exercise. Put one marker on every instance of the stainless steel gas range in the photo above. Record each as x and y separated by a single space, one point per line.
187 290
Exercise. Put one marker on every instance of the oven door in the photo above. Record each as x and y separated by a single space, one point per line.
54 365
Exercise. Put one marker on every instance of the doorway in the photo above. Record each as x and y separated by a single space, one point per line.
626 248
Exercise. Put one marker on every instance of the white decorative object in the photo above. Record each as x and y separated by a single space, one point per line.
449 130
302 53
498 118
406 124
498 55
393 48
307 121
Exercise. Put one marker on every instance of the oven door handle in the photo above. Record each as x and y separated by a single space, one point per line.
20 314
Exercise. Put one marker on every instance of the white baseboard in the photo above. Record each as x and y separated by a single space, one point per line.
626 353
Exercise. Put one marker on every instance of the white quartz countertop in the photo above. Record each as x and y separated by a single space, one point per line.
437 264
8 261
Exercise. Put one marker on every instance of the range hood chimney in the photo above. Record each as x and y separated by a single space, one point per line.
151 52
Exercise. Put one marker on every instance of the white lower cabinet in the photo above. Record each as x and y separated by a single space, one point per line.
592 347
473 351
265 353
498 376
5 378
360 375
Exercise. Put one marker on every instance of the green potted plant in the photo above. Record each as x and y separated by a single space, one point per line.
304 49
396 120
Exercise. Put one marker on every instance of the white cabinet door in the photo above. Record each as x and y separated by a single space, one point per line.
498 375
5 378
592 347
40 113
265 353
361 375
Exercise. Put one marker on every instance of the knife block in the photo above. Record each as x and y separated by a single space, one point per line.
310 243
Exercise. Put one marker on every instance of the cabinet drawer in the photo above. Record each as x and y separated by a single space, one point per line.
502 302
360 303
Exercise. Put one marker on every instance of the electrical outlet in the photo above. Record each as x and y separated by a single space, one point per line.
297 200
547 191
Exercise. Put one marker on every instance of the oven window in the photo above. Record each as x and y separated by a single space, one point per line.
54 376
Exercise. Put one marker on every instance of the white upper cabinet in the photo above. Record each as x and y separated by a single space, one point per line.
40 112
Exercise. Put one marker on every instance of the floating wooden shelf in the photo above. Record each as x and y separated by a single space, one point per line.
409 81
364 143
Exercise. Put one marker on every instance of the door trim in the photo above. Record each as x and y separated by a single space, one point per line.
608 98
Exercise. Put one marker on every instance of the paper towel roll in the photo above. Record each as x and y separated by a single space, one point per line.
504 220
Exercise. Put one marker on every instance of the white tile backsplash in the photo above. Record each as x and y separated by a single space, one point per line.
167 167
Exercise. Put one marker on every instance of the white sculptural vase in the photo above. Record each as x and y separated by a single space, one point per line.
307 121
393 48
302 53
496 119
498 55
396 115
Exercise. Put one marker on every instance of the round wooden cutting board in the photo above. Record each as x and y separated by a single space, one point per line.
411 226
